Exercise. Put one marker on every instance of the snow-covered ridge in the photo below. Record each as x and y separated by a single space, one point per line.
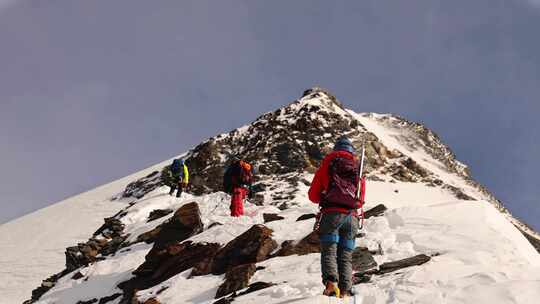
478 255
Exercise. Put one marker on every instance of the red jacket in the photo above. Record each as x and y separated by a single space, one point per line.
321 181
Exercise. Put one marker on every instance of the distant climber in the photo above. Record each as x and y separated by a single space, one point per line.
335 188
237 181
179 176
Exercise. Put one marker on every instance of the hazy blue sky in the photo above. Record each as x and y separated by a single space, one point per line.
91 91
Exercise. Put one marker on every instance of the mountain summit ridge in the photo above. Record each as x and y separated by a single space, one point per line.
294 138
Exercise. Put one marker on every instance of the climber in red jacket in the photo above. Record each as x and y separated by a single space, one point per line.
334 188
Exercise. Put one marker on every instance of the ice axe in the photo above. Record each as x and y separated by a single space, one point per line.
359 186
360 172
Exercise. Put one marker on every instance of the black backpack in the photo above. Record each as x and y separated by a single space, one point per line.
230 172
236 175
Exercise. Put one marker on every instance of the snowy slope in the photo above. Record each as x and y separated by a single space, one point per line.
33 246
478 254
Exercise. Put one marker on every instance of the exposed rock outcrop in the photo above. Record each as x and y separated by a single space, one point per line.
375 211
140 187
307 245
251 288
235 279
362 260
164 262
185 222
306 217
270 217
158 213
254 245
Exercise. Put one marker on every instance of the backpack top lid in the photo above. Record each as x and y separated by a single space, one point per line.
344 144
178 162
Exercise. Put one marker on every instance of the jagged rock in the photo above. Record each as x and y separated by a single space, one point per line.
380 149
174 258
226 300
400 264
309 244
252 246
259 187
92 301
106 240
77 275
103 300
185 223
158 213
235 279
255 287
415 167
203 267
113 245
110 298
163 263
112 225
214 224
79 256
534 242
306 217
141 187
404 175
383 152
251 288
374 178
206 160
365 276
45 286
459 193
270 217
362 259
168 256
149 236
361 278
375 211
408 262
318 90
258 200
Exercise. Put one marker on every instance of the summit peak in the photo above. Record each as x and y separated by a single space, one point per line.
320 95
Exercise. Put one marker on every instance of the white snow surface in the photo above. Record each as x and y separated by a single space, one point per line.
478 254
33 246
